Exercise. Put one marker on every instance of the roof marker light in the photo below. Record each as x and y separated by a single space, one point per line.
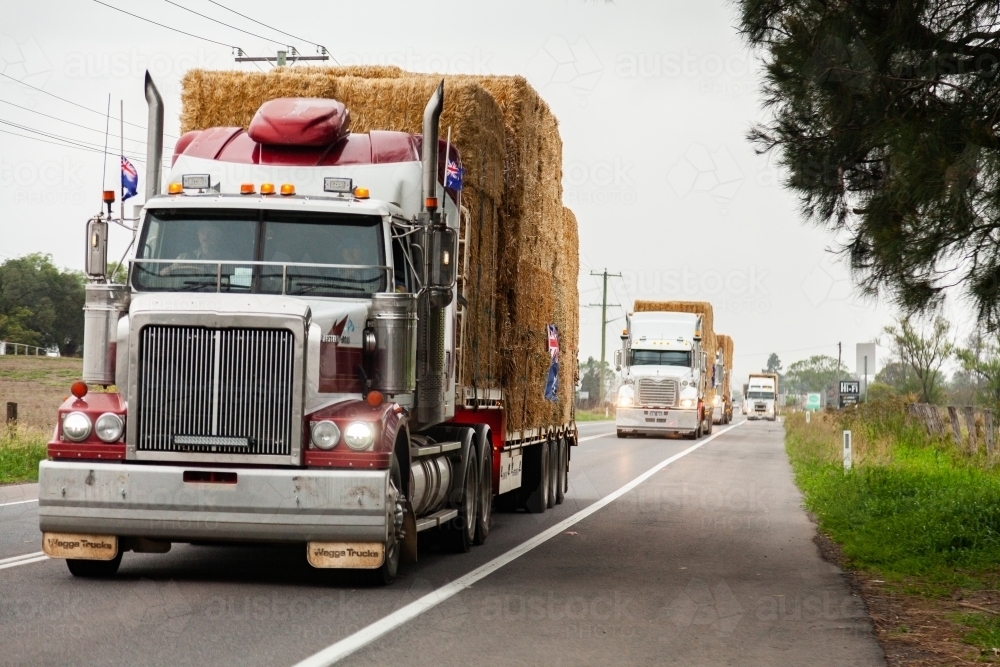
196 181
267 188
247 189
361 193
287 189
336 184
175 189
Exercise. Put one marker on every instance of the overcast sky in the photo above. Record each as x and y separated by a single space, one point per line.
654 100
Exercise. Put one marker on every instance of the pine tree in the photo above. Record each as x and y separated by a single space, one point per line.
885 114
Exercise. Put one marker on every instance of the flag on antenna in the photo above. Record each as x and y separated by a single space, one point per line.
453 176
130 179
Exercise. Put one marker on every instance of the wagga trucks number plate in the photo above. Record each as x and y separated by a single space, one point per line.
349 555
83 547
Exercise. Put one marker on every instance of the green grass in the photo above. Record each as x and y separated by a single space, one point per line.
593 416
20 451
915 511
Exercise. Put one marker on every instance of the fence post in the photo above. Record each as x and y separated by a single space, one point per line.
988 428
11 413
956 428
970 424
808 415
848 458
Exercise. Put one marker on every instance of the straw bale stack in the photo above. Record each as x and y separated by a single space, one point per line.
726 345
522 244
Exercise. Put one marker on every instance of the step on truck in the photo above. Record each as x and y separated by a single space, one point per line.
283 359
666 372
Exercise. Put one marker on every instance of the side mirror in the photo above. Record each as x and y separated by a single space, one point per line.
443 249
96 264
618 360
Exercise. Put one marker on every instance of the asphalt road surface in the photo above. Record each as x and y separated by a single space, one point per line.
663 553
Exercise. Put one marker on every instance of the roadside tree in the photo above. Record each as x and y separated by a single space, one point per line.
41 305
922 348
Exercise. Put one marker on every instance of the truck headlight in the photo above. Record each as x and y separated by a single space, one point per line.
76 426
687 402
717 401
626 396
359 436
325 434
108 427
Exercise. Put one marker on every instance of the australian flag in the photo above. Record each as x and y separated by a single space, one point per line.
130 179
453 176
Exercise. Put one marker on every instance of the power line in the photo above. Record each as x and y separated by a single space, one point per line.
143 18
63 120
217 4
67 141
62 145
63 99
171 2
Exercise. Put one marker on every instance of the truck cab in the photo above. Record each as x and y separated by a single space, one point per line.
665 376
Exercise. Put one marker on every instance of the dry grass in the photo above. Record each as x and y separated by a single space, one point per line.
38 385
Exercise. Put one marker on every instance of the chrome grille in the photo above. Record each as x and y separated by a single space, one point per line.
658 392
215 390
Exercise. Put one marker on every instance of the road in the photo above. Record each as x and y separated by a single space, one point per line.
705 560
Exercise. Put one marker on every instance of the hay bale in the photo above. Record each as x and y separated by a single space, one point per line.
726 345
522 245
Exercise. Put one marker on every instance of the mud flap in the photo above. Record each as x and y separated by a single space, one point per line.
408 547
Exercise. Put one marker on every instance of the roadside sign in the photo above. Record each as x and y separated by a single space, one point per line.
583 395
814 401
850 387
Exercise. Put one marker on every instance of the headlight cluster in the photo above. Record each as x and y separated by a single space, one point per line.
626 396
77 427
359 436
687 402
717 401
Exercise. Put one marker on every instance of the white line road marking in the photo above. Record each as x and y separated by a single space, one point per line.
24 559
594 437
361 638
19 502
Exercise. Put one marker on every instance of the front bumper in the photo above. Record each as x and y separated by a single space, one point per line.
265 505
657 420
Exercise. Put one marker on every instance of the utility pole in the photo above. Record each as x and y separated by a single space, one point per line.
604 327
838 375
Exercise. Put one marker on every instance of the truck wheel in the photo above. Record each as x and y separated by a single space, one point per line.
538 489
485 513
622 434
386 574
563 476
94 569
553 471
708 429
462 529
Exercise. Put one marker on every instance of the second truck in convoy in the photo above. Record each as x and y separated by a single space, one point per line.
667 357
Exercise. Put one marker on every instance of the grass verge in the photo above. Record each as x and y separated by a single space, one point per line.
593 416
916 515
20 451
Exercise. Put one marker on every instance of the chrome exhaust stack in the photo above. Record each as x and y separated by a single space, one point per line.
439 248
154 138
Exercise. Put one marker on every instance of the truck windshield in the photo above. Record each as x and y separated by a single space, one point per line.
661 358
266 252
762 395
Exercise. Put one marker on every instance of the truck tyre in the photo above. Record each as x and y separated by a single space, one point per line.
386 574
538 478
622 434
553 471
708 428
485 510
95 569
461 530
563 475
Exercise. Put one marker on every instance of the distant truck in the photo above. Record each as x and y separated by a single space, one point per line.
667 374
760 399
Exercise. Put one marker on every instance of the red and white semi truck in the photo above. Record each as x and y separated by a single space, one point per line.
284 356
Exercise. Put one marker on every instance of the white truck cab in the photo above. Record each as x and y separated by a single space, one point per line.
665 376
761 397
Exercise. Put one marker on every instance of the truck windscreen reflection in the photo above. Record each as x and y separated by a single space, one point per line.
661 358
264 252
